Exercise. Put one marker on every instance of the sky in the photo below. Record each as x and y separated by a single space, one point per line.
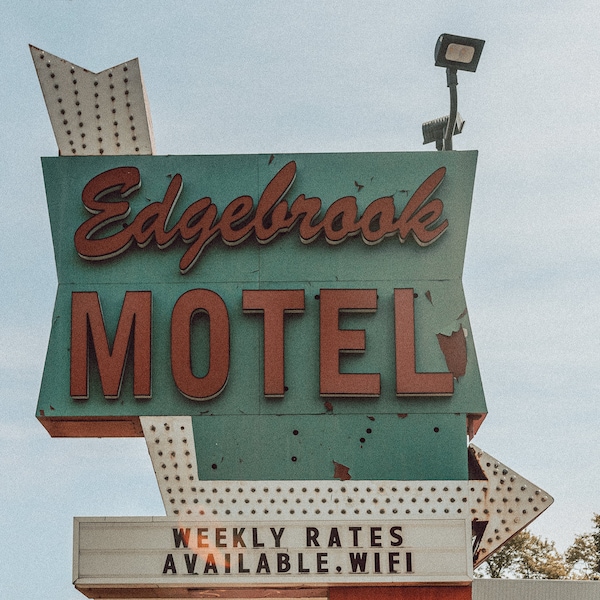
264 76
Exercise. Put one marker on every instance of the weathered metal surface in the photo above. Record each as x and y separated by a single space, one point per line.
187 495
102 113
500 502
505 502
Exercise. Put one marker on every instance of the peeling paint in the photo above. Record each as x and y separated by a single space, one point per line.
371 418
428 296
341 471
454 348
463 314
474 421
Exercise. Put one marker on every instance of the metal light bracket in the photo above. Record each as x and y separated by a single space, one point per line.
433 131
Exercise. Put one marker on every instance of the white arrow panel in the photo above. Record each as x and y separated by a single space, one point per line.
506 501
502 504
95 113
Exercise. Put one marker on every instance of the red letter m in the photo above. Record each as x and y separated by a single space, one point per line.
134 328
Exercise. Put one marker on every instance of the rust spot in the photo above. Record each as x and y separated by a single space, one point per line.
474 421
475 471
341 471
328 406
80 427
463 313
428 296
403 415
52 407
454 347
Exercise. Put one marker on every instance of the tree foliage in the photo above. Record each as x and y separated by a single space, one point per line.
528 556
525 556
583 555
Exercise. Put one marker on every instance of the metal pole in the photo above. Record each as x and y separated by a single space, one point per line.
452 81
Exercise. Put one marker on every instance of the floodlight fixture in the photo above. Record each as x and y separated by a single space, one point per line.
456 53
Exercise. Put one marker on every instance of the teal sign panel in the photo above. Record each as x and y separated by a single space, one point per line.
305 310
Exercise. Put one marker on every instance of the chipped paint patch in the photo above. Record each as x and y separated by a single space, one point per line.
454 348
341 471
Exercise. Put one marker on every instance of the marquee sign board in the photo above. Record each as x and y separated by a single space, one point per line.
307 309
164 553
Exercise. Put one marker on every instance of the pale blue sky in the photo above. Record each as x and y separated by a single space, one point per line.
269 76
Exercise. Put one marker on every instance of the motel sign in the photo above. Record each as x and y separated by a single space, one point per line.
289 334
